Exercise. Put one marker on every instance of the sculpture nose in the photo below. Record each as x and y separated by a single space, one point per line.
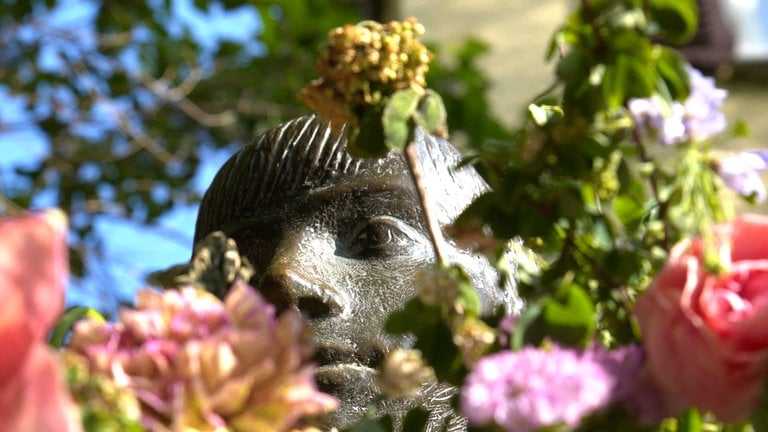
286 289
286 283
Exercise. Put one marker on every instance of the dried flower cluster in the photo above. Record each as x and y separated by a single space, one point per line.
364 63
196 363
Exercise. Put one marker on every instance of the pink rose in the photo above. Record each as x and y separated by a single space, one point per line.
33 270
706 335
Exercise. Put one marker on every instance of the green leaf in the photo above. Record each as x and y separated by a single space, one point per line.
569 315
397 118
678 19
575 67
471 49
414 316
468 295
415 420
600 235
542 114
431 114
629 210
67 320
671 68
759 418
690 421
436 344
740 128
367 139
626 78
383 424
529 316
433 338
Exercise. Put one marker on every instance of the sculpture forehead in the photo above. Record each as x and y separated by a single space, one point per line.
305 154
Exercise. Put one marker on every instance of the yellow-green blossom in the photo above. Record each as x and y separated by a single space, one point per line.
364 63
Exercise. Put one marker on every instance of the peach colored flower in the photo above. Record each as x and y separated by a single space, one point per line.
33 271
705 334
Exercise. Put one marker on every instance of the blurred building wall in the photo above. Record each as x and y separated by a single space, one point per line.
518 32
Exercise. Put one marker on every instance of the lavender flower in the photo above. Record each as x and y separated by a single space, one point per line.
740 173
195 363
654 117
698 118
703 115
532 388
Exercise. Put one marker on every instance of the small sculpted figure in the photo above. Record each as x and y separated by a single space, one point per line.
340 238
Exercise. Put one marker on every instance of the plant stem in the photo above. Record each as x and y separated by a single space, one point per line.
433 227
643 156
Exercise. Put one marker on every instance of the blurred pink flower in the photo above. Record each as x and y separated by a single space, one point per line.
33 273
533 388
705 334
196 363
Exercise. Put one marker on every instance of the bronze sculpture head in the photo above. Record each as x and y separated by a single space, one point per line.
341 238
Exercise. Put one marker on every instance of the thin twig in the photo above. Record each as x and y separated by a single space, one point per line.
433 227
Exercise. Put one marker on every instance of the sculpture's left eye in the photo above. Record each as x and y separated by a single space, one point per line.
382 237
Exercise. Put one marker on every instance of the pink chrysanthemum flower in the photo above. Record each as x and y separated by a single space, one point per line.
196 363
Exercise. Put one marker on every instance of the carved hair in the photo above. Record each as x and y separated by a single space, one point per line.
304 154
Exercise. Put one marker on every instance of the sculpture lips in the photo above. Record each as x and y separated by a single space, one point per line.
328 355
353 384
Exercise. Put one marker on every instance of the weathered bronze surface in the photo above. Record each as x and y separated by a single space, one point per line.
340 238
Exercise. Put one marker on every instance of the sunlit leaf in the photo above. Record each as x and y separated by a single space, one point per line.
678 19
431 114
671 67
569 315
67 320
741 128
397 119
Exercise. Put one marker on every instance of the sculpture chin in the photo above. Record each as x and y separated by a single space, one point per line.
353 385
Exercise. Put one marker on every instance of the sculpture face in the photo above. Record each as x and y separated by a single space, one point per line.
340 239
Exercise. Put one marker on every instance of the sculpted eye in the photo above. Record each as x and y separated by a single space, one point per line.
383 236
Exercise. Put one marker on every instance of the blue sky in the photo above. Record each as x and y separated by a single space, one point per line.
128 257
132 250
750 18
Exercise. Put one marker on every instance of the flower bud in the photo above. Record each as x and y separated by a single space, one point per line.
473 338
436 287
403 373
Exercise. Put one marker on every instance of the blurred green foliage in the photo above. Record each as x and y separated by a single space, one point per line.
135 99
581 189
